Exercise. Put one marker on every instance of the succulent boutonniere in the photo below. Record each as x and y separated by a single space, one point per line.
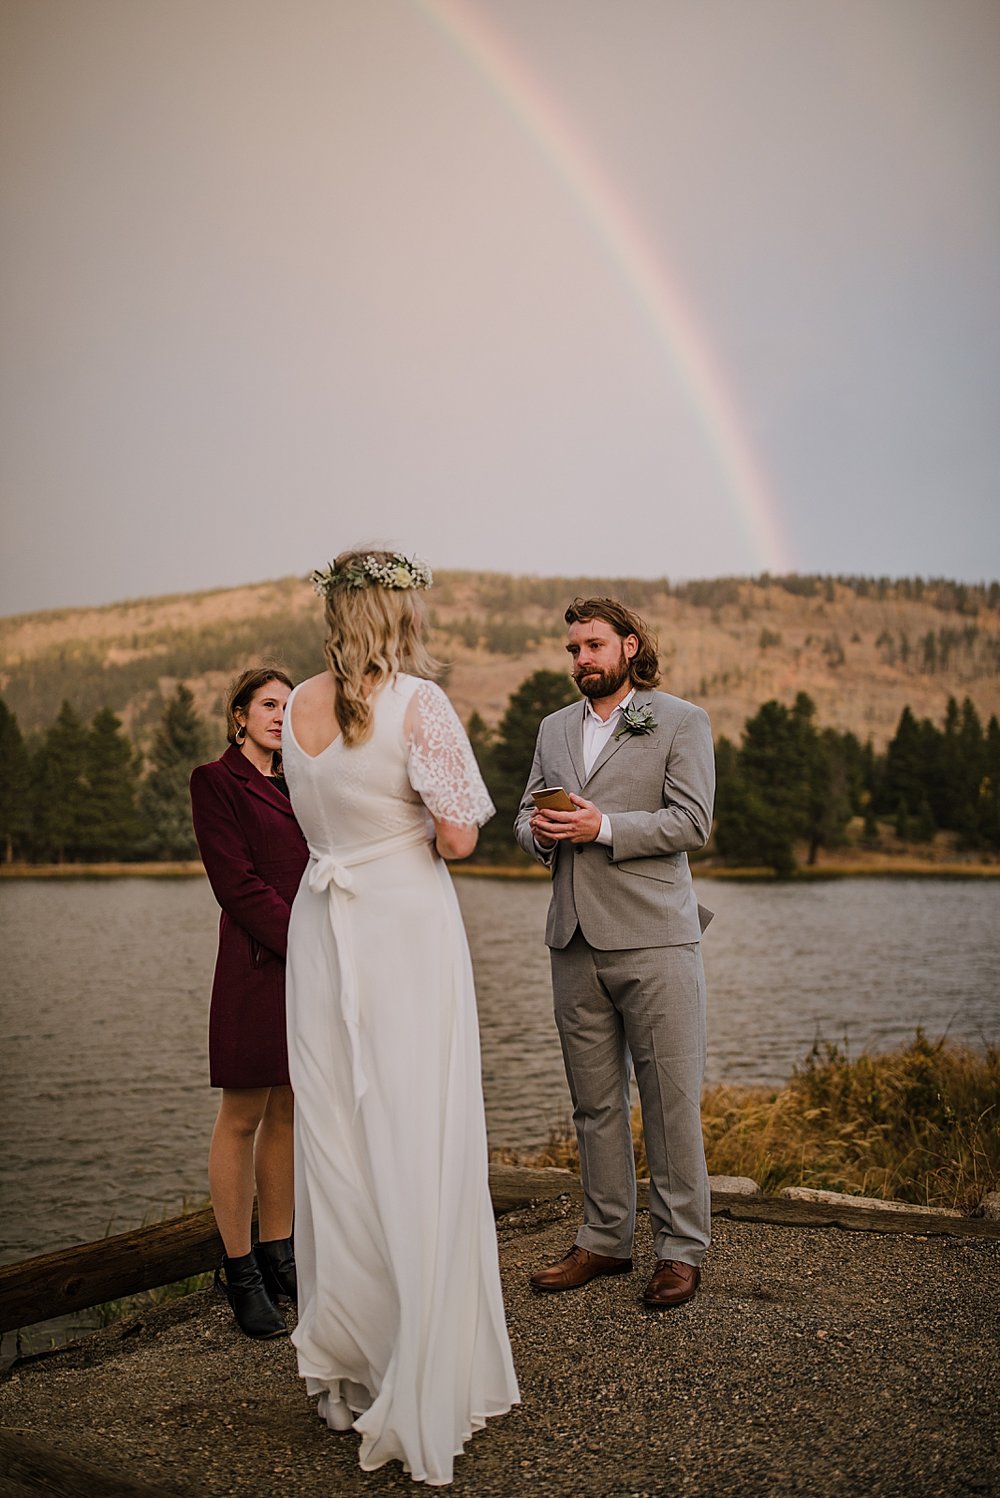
637 720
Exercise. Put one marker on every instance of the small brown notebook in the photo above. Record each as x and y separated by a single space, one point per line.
552 798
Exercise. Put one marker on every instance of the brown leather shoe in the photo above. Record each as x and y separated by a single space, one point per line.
672 1283
578 1268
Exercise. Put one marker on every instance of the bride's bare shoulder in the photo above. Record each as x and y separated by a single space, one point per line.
319 688
313 713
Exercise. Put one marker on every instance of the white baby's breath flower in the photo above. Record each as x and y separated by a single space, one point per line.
397 573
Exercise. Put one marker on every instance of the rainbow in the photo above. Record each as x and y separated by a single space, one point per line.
641 267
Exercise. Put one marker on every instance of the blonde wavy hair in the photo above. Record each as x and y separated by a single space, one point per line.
373 633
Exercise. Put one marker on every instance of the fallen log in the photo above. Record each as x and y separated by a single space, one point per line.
779 1212
74 1279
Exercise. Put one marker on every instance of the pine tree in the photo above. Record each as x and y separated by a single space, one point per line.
110 825
908 757
901 825
747 829
59 789
922 829
971 771
15 786
989 792
725 759
181 742
512 750
943 766
859 769
942 771
538 695
764 806
870 831
830 798
481 738
788 782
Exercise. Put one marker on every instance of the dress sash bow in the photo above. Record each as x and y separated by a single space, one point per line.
329 872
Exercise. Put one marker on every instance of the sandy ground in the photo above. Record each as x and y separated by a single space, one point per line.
814 1361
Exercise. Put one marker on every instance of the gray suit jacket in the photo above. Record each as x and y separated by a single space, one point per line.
657 790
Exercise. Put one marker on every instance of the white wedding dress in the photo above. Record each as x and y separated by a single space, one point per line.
401 1326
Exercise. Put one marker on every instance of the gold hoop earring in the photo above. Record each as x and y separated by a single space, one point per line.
241 736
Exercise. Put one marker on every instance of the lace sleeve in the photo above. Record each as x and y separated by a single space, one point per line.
441 765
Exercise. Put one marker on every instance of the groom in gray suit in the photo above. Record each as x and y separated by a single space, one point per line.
624 932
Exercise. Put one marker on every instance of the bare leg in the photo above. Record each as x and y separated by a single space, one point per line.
231 1165
274 1166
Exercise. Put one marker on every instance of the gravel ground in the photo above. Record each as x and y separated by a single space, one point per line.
813 1361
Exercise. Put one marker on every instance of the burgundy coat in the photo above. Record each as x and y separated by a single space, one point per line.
254 855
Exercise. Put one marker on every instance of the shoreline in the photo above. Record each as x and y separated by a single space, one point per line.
884 866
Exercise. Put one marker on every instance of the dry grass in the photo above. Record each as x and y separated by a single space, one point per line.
920 1125
110 1311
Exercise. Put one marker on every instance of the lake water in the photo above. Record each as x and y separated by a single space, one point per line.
107 1110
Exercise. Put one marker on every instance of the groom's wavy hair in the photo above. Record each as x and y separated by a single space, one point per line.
373 633
644 667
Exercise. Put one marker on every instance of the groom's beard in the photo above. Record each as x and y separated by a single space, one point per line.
603 683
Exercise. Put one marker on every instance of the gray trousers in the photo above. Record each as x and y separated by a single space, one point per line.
649 1002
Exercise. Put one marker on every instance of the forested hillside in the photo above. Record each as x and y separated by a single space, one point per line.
862 648
838 704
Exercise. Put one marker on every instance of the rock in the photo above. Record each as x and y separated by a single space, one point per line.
734 1185
871 1203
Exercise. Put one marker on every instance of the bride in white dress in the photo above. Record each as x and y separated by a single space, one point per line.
401 1328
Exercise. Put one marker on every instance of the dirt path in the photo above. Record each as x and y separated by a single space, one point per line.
814 1361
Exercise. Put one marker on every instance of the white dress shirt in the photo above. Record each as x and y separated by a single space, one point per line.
596 733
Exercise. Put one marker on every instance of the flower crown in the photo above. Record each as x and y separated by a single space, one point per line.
395 571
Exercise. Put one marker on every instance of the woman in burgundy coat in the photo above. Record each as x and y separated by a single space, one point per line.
254 855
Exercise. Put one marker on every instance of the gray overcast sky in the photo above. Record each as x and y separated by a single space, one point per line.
679 287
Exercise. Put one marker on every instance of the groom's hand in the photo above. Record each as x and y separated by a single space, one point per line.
579 826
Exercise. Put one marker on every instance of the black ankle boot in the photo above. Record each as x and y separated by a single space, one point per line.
255 1312
277 1267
